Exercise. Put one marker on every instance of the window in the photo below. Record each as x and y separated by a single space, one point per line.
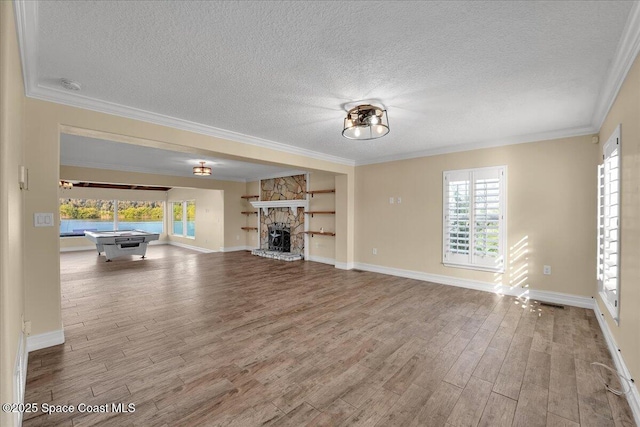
474 211
145 216
609 224
78 215
184 218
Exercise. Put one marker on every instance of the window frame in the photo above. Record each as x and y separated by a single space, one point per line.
471 260
611 299
185 221
115 222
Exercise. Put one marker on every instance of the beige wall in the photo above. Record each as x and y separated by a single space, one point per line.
209 232
551 205
11 206
69 243
47 120
231 190
322 246
625 111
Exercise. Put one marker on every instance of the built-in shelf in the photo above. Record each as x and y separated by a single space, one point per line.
320 233
320 192
249 196
312 213
249 228
249 213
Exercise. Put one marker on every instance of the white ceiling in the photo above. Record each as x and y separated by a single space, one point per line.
100 154
453 75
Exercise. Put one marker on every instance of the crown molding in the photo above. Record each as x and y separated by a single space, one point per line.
27 26
88 103
523 139
626 53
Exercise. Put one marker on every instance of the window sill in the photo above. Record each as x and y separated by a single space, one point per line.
183 237
475 267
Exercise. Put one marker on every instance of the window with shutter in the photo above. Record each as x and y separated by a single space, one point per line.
474 233
609 224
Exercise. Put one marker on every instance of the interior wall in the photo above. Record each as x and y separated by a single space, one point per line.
322 248
625 111
551 208
232 220
12 215
209 232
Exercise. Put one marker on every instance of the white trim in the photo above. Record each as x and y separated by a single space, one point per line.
78 248
27 28
26 15
453 148
547 296
93 247
320 259
47 339
345 265
626 53
237 248
193 248
291 204
20 376
633 397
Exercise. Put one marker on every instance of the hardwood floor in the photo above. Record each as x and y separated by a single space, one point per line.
232 339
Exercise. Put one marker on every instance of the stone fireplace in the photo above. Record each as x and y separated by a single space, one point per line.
281 217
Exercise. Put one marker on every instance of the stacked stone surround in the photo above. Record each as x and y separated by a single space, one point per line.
285 188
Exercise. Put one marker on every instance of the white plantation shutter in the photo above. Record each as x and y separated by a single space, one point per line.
609 224
474 218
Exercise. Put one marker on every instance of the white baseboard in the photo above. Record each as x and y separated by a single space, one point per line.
547 296
93 247
322 260
553 297
345 265
237 248
633 397
193 248
78 248
48 339
20 376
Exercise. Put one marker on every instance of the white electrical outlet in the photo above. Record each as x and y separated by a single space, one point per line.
375 251
237 237
391 200
546 270
399 200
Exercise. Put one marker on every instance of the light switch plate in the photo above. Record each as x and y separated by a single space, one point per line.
43 219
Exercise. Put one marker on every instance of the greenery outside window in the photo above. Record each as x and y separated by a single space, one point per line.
184 218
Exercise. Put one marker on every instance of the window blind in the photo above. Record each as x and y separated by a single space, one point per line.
473 218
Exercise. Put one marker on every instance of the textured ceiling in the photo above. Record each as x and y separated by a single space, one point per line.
452 74
100 154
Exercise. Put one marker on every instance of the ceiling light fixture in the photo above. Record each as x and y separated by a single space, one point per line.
65 185
366 122
202 170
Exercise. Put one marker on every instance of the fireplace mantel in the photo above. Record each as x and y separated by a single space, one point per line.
291 204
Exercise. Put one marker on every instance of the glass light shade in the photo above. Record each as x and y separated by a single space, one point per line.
366 122
202 170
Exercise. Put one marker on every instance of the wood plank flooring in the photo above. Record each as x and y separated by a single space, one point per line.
229 339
